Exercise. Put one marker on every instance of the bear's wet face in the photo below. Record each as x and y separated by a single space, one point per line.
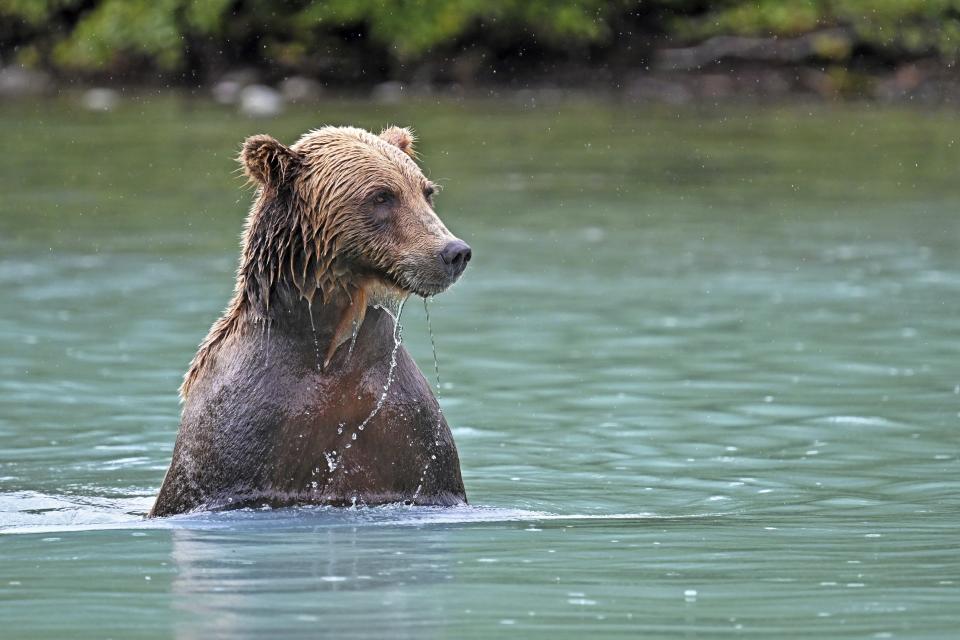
413 250
360 208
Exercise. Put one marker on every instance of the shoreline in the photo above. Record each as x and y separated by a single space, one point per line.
925 85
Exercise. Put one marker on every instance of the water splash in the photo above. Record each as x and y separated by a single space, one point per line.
332 462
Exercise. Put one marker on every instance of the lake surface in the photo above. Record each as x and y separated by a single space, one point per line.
703 372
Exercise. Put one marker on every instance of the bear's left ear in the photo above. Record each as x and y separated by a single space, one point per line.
400 137
267 162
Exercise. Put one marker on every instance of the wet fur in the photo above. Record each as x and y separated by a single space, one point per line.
296 228
271 383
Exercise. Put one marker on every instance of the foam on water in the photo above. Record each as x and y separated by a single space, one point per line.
27 511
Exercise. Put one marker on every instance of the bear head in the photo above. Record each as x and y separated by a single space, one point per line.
343 207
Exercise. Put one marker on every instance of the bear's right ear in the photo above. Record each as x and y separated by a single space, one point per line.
400 137
267 162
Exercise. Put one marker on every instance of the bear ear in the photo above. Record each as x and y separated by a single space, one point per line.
400 137
267 162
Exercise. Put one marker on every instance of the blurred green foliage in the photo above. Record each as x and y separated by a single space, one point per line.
205 36
96 35
892 28
409 29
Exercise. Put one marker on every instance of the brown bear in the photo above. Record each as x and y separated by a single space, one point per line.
301 393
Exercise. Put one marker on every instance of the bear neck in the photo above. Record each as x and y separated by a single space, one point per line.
286 282
286 287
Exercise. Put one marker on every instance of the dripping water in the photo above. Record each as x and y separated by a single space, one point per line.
394 314
353 337
397 339
436 429
313 328
433 342
267 355
261 323
264 322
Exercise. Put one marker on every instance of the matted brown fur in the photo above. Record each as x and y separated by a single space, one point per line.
302 247
341 230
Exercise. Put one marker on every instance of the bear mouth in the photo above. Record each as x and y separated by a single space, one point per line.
421 285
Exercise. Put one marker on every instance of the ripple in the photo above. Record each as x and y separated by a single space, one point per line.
27 512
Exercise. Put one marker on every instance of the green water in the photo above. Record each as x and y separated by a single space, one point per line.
703 372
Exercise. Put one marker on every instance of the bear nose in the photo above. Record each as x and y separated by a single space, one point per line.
456 255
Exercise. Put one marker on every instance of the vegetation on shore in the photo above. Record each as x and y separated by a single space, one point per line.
462 41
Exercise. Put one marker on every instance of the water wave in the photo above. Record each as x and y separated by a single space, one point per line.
27 512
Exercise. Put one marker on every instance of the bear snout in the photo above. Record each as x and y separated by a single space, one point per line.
455 257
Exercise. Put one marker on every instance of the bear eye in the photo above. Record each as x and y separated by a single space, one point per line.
382 197
428 193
